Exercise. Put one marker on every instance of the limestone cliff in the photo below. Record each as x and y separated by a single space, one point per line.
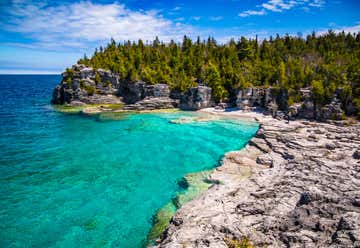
85 85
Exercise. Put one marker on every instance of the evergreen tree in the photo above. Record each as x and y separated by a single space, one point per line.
324 63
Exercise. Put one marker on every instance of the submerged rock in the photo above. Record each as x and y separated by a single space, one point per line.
308 200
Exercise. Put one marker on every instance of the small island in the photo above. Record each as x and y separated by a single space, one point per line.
297 181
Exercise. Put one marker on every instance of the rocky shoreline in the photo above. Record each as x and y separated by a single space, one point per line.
86 86
295 184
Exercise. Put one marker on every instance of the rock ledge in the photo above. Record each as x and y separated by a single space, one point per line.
304 191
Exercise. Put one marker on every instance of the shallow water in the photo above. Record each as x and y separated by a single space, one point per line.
79 181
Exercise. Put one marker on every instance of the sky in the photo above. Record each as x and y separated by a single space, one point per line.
46 36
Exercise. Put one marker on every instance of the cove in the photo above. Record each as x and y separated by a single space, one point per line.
79 181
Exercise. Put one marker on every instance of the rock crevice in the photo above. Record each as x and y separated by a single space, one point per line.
303 191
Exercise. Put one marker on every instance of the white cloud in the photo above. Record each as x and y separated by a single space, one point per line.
177 8
279 5
252 12
78 24
283 5
196 18
351 29
216 18
180 19
347 29
317 3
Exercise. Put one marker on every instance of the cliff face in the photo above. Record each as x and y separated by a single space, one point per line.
196 98
269 99
85 85
275 102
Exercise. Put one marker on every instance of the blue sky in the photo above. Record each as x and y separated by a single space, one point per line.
43 36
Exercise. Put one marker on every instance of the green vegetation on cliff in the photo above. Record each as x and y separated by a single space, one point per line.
324 62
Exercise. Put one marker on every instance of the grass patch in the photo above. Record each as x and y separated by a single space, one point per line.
90 90
113 106
68 109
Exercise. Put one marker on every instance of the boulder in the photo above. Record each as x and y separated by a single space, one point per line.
157 90
152 103
196 98
265 98
250 98
57 96
333 110
356 154
306 110
265 159
133 92
272 108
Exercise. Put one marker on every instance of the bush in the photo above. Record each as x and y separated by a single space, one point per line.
90 90
106 84
69 78
318 91
97 78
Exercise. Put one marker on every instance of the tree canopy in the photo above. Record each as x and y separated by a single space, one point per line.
324 63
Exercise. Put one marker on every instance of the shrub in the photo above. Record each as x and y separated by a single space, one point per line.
318 91
97 78
106 83
69 78
90 90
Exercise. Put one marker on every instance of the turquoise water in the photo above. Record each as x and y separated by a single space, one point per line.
79 181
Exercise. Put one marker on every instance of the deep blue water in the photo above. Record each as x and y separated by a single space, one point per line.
78 181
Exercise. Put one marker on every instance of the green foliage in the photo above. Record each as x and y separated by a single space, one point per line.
69 78
346 94
70 72
287 62
68 81
106 83
318 91
90 90
97 78
211 77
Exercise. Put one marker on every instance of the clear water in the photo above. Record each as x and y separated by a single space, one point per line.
78 181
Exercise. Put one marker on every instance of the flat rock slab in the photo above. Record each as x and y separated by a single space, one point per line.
302 192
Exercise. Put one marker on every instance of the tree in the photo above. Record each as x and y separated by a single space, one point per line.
282 74
325 63
318 91
211 77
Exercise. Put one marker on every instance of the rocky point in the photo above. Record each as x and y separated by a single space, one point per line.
85 85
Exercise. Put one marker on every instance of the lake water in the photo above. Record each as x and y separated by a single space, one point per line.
79 181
